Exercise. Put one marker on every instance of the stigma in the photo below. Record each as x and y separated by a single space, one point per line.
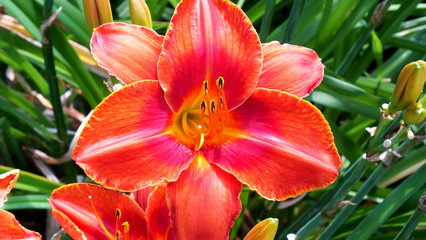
204 119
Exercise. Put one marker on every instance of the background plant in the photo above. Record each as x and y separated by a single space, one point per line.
364 44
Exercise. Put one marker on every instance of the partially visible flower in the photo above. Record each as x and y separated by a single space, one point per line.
409 86
414 114
97 12
88 211
9 227
139 13
264 230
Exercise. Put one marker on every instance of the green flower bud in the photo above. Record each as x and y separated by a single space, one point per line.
414 114
264 230
139 13
409 86
97 12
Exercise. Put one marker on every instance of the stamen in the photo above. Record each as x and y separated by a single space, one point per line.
104 229
213 120
126 230
203 111
224 107
118 216
221 115
205 121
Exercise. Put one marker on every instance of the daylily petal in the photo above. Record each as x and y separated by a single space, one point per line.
7 181
204 202
157 214
285 146
127 145
141 196
72 208
129 52
207 40
290 68
11 229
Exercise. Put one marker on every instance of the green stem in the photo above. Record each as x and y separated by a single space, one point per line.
384 126
413 221
266 21
50 75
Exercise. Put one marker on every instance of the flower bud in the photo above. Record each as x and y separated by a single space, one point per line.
97 12
264 230
409 86
414 114
139 13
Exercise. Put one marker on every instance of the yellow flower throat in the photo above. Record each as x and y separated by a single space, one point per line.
203 120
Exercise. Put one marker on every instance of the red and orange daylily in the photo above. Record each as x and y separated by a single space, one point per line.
9 226
88 211
207 108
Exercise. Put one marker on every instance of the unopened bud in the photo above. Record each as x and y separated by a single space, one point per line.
97 12
414 114
139 13
264 230
409 86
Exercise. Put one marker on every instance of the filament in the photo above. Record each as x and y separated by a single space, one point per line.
100 220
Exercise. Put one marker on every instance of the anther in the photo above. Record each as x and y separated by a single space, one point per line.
213 106
206 86
203 105
126 229
220 82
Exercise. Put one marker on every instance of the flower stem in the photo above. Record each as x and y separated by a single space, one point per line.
414 220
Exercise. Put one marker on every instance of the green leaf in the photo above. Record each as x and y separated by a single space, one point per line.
28 14
385 209
29 201
344 103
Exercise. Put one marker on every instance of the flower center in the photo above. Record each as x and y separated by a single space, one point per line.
119 234
205 118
